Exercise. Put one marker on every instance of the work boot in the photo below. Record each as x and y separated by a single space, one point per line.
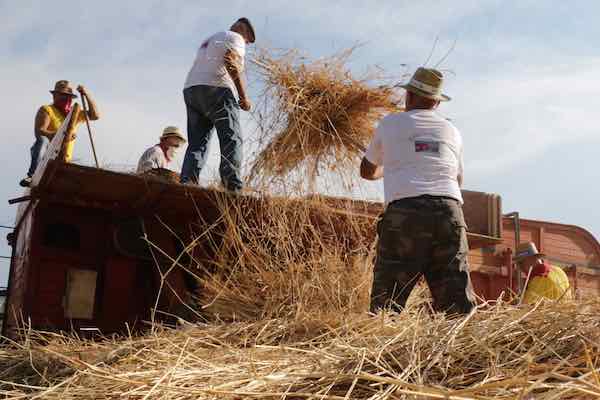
10 238
25 182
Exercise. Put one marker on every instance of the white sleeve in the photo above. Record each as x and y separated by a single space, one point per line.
374 153
148 161
236 43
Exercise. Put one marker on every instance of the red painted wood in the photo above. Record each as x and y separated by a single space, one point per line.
126 295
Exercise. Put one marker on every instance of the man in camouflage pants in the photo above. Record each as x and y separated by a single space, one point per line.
422 232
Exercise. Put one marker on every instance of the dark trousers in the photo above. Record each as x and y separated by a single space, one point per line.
37 152
211 107
422 236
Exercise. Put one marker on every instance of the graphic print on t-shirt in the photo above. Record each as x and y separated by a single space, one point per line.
427 146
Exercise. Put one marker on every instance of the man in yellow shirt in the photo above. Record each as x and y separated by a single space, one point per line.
50 117
545 280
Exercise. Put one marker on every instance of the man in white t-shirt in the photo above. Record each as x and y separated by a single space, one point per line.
214 92
161 155
419 154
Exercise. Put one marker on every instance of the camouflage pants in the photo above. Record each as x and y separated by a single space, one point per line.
419 236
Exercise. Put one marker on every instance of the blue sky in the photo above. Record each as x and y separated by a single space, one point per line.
524 80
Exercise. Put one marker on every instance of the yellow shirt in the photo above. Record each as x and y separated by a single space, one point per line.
56 120
554 286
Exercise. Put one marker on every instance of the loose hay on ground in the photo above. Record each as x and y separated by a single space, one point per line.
503 352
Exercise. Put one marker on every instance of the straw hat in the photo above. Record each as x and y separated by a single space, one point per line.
63 87
427 82
527 251
172 131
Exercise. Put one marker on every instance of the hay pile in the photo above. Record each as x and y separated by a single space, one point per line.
280 258
316 116
549 351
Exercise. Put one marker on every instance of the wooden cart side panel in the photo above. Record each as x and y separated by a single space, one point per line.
485 259
488 285
169 278
483 212
47 310
48 277
527 235
128 294
561 243
18 276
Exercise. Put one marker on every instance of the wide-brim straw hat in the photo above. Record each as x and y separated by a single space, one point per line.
427 82
527 251
63 87
172 131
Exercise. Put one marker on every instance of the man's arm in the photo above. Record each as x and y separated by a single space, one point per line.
373 170
370 171
147 161
232 64
93 113
42 122
461 169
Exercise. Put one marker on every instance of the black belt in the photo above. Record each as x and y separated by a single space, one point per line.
424 197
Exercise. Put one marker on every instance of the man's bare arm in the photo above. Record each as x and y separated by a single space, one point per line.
93 113
370 171
459 178
42 122
232 64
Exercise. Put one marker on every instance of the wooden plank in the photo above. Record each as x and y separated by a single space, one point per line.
508 236
566 238
561 247
80 293
482 212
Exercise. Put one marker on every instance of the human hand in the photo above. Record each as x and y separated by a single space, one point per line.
81 89
245 104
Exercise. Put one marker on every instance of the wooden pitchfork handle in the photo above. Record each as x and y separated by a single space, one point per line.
87 122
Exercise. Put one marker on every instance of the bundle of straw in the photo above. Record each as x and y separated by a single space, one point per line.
318 116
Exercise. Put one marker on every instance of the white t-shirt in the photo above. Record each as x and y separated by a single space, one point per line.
154 157
209 66
421 153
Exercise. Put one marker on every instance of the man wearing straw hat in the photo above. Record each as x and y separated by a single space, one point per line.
543 279
210 91
419 155
50 117
161 155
